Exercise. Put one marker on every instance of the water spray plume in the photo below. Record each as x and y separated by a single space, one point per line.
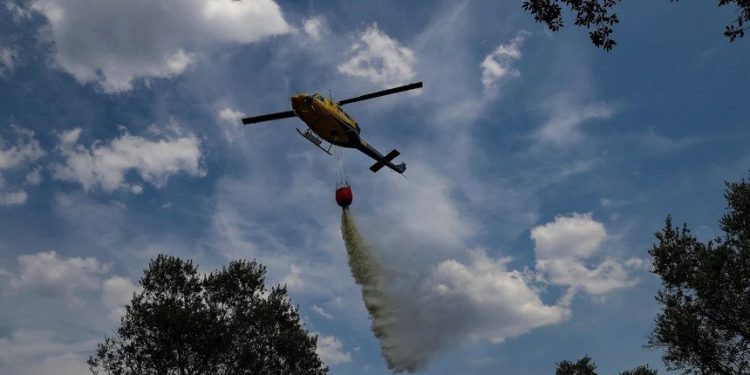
367 273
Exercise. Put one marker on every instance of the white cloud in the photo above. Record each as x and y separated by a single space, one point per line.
608 275
117 292
49 275
566 117
18 12
8 58
458 302
105 165
36 352
230 115
498 303
379 58
34 177
70 137
13 198
24 151
69 300
175 65
491 289
322 312
313 27
116 43
425 214
331 351
136 189
237 229
500 63
231 120
575 236
242 21
294 278
438 299
563 247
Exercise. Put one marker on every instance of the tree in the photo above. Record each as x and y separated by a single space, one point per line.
640 370
224 323
704 322
598 14
586 366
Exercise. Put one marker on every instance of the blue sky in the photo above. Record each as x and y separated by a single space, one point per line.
539 168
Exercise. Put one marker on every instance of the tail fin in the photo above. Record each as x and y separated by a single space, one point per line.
391 155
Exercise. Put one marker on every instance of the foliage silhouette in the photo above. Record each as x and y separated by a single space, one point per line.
704 322
586 366
600 15
226 323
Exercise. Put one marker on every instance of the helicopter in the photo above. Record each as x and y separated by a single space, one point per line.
327 120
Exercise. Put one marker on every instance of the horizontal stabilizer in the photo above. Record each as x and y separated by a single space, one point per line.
376 167
391 155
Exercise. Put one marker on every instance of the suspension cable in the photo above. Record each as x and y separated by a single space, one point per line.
343 181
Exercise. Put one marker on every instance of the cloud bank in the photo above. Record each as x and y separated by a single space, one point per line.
105 166
17 157
500 64
41 281
563 248
115 43
438 297
330 350
379 58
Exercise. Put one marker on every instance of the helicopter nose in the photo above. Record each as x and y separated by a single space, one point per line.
298 99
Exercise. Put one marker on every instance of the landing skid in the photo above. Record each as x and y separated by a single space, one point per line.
310 136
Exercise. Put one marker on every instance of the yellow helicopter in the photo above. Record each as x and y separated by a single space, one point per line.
325 118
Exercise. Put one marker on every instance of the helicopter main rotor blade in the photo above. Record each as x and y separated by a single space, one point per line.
268 117
376 94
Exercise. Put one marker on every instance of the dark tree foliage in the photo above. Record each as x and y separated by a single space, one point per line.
640 370
704 323
589 13
225 323
737 28
599 15
586 366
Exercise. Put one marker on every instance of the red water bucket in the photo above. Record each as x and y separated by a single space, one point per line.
344 196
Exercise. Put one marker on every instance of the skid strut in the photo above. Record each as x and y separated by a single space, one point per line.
310 136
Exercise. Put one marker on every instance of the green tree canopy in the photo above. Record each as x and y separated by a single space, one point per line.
600 15
225 323
704 323
586 366
640 370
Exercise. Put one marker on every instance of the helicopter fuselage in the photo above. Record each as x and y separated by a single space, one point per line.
326 118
